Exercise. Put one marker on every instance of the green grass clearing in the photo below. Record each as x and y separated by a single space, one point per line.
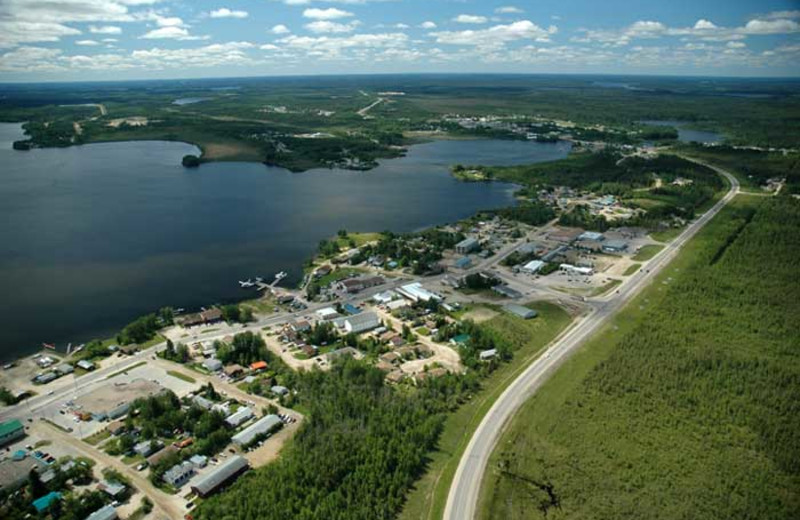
647 252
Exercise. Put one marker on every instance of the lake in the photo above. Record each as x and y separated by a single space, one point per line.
687 135
97 235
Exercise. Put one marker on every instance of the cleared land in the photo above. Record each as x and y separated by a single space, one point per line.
674 411
427 499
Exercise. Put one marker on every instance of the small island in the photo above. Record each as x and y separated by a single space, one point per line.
190 161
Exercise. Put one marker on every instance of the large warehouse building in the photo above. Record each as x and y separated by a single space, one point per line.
221 476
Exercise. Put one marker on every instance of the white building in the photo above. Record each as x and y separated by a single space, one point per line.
264 425
239 416
533 266
586 271
328 313
361 322
415 292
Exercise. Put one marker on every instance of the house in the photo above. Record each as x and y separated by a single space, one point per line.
227 472
361 322
212 365
258 365
116 427
199 461
395 376
148 447
161 454
384 297
391 358
42 504
285 299
397 341
351 309
104 513
461 339
263 426
279 390
211 315
14 471
64 369
202 402
239 416
324 270
521 311
590 235
309 350
233 370
85 365
179 474
487 354
11 431
45 378
533 266
466 246
300 326
112 489
508 292
434 372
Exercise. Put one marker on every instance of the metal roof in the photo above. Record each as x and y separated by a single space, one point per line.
230 468
263 425
104 513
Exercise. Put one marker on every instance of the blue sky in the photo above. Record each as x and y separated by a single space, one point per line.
61 40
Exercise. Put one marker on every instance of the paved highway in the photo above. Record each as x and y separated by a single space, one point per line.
464 490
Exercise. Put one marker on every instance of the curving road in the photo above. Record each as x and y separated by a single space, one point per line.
465 488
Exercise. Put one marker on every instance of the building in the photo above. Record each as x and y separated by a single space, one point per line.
615 246
233 370
42 504
279 390
14 471
488 354
463 263
300 326
265 425
521 311
104 513
328 313
590 235
116 427
415 292
212 365
112 489
85 365
354 285
199 461
467 246
118 411
211 315
351 309
533 266
565 235
508 292
202 402
11 431
384 297
147 448
361 322
179 474
258 365
239 416
226 473
586 271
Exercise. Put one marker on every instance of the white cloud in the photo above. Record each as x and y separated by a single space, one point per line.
326 14
356 46
280 29
497 35
736 45
470 18
704 24
508 9
427 25
14 33
171 32
224 12
105 29
326 26
781 14
778 26
87 43
168 21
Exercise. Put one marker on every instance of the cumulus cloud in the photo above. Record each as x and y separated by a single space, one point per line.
224 12
508 9
327 26
497 35
87 43
326 14
279 29
470 18
105 29
427 25
171 32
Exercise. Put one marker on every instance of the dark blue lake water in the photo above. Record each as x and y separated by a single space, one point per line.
687 135
94 236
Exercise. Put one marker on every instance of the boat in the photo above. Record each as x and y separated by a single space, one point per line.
49 346
281 275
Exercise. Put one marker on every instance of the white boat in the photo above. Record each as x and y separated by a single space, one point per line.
281 275
246 284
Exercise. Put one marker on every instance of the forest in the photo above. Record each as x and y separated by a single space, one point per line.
688 405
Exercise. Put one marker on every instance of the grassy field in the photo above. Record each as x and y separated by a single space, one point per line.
427 499
631 269
686 405
97 438
181 376
647 252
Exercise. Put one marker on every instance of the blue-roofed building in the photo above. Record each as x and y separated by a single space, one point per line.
351 309
463 262
42 504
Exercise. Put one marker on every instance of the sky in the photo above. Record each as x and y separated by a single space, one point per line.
78 40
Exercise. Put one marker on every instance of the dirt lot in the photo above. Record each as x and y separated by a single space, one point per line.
480 314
